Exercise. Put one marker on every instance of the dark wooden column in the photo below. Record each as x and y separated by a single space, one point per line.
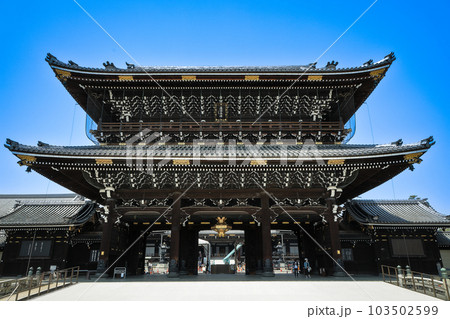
335 242
266 236
192 251
175 237
135 257
250 249
107 227
184 251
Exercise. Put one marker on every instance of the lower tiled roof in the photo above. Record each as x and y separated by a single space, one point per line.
443 238
214 151
48 214
395 212
8 202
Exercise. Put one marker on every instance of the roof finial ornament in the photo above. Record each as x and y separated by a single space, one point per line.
130 66
50 58
390 56
41 144
109 65
428 141
331 65
399 142
312 65
72 63
368 63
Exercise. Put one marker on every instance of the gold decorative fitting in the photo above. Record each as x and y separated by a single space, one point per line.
414 157
315 78
61 74
221 227
189 77
377 74
252 77
336 162
27 158
125 78
103 161
181 162
258 162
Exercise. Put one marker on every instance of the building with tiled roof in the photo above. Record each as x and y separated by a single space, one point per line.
41 228
251 148
398 232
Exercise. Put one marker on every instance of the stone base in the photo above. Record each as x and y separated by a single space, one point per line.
268 274
339 273
173 275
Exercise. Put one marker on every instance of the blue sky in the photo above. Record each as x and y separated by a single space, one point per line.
410 103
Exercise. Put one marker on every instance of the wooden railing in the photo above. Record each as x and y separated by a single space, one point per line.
27 287
324 127
424 283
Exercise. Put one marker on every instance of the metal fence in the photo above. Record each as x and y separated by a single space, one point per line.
427 284
27 287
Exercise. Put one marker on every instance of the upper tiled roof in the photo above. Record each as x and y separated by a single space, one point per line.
10 201
111 68
395 212
443 239
216 151
48 214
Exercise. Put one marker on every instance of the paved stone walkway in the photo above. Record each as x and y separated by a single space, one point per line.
235 288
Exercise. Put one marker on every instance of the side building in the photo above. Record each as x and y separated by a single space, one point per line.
394 232
44 230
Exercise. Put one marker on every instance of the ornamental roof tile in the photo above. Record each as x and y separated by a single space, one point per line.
214 151
395 212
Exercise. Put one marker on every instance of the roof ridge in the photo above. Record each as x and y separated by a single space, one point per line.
331 67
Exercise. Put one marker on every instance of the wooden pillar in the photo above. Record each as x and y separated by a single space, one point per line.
105 246
266 237
175 237
192 252
250 248
135 257
184 251
335 242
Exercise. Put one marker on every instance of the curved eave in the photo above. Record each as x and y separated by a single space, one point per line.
81 217
410 152
39 226
282 70
430 225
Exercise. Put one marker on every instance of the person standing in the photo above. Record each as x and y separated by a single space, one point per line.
295 268
307 268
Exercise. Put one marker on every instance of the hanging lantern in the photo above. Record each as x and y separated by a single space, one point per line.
221 227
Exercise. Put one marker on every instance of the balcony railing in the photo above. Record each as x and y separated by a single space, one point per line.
325 127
